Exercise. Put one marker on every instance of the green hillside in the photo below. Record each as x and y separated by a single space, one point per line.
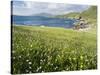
90 15
69 15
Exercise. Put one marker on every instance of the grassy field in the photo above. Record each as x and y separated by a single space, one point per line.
50 49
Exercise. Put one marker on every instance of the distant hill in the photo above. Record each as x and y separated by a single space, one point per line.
69 15
90 15
43 14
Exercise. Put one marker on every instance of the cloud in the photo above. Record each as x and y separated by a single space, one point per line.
31 8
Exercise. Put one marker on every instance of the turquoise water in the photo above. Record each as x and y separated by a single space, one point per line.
41 20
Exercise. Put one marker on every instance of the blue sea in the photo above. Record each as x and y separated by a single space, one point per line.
41 20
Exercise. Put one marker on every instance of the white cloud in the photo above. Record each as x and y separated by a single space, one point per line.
52 6
29 4
29 8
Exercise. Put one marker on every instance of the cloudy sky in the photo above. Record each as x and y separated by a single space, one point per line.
32 8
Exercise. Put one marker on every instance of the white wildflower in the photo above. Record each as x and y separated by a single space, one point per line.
86 60
27 71
13 51
67 69
23 49
41 60
13 57
30 67
29 63
42 71
74 58
31 45
56 67
27 60
40 67
28 54
81 57
20 56
51 64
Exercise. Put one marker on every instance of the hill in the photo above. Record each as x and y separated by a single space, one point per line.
43 14
69 15
90 14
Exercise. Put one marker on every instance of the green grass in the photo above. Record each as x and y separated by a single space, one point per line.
48 49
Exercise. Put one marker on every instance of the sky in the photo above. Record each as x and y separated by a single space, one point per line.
26 8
